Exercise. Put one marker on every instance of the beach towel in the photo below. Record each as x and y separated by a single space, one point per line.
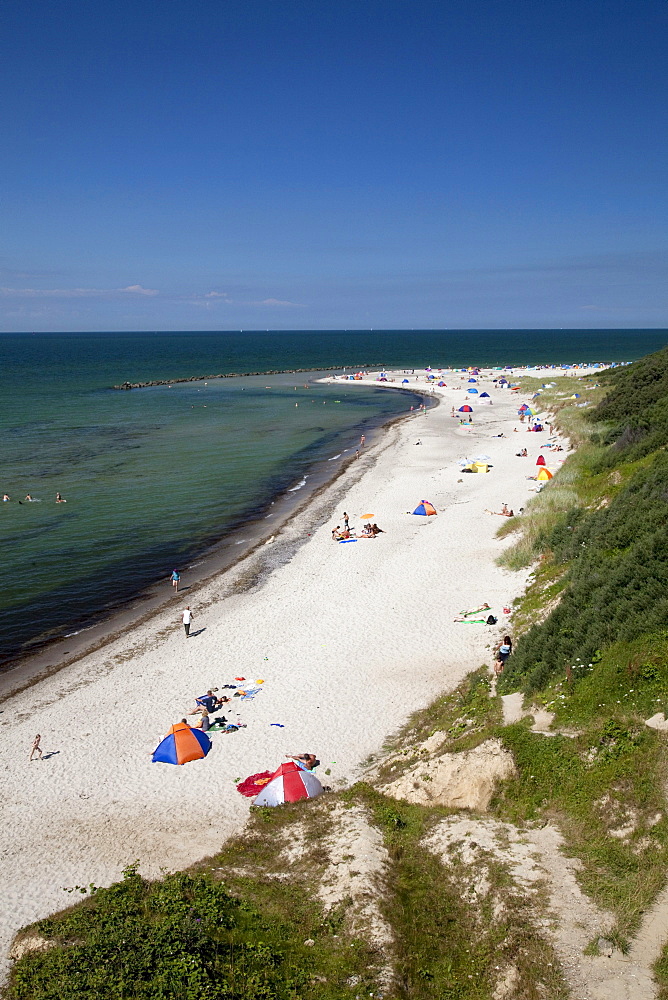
254 784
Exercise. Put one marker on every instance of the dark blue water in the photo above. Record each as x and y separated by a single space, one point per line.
152 477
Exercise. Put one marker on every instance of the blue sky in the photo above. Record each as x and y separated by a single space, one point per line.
323 164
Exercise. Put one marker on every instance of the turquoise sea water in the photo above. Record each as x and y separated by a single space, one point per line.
153 477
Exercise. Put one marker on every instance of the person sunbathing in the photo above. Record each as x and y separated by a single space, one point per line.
367 531
463 615
376 530
207 701
307 761
204 721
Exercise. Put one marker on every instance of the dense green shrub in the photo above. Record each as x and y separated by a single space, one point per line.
636 408
617 579
184 937
615 554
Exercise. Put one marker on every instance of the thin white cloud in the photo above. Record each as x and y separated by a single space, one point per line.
138 290
277 302
217 295
76 293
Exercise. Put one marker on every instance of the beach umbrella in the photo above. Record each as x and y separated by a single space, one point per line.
465 409
182 744
289 783
441 384
404 380
543 475
425 508
473 380
474 391
484 395
365 517
523 408
540 460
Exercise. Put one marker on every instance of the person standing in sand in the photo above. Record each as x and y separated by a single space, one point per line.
36 748
362 441
186 618
345 521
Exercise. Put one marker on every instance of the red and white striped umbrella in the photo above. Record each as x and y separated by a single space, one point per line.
290 783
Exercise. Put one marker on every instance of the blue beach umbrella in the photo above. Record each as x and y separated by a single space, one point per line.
182 744
404 380
474 391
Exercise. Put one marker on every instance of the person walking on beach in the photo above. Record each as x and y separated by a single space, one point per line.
186 618
362 441
36 748
175 578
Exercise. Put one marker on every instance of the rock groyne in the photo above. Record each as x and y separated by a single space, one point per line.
204 378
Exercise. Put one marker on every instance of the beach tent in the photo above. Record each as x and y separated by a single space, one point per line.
425 508
182 744
540 460
480 467
465 409
543 475
289 783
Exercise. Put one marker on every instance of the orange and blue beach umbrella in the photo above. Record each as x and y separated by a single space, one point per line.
182 744
425 508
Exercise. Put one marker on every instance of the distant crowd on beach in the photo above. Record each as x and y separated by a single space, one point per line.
340 534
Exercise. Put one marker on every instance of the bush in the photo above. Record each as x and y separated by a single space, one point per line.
183 937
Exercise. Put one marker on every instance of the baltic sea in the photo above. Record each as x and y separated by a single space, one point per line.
154 477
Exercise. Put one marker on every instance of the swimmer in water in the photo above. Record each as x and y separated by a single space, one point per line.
28 498
5 497
60 499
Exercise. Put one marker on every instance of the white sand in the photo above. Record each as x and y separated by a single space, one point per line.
350 639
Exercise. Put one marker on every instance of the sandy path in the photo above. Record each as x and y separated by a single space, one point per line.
349 638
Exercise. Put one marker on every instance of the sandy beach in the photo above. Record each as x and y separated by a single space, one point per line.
349 639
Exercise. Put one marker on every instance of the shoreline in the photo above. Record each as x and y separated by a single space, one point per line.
348 640
220 555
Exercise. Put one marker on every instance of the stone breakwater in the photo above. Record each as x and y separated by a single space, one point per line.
273 371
